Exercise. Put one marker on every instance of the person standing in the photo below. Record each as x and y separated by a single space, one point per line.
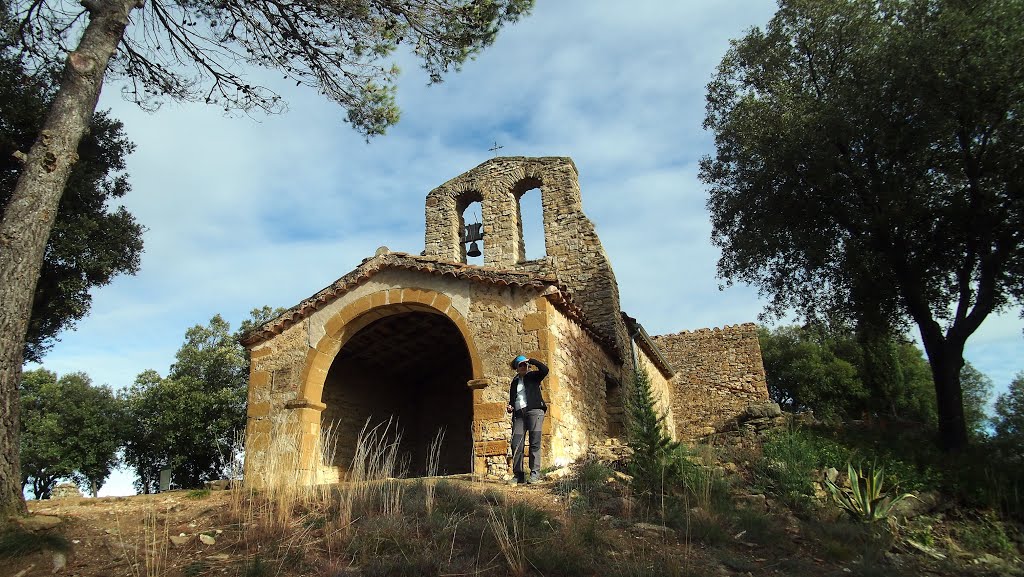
527 407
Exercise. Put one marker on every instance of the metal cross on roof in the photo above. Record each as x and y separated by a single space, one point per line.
495 148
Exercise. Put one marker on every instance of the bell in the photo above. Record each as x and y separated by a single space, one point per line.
474 249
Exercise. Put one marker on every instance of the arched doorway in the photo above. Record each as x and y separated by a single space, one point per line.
410 368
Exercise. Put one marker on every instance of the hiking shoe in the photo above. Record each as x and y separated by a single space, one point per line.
517 480
534 478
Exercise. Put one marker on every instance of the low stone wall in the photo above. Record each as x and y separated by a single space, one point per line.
719 372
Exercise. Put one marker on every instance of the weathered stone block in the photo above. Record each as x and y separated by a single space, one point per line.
535 321
258 410
490 448
490 411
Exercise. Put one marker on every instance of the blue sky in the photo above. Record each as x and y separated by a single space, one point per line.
266 210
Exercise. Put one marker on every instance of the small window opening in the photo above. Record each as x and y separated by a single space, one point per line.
613 406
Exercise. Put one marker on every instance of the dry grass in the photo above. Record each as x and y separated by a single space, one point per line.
509 531
307 504
433 460
152 560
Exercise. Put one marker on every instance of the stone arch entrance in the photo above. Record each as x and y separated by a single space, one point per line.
399 355
409 370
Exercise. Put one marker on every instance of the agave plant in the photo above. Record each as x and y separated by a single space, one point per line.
864 499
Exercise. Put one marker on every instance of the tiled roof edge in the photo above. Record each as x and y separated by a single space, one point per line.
399 260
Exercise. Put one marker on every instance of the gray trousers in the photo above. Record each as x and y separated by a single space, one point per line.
531 420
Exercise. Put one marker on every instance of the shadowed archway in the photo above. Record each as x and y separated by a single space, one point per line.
409 368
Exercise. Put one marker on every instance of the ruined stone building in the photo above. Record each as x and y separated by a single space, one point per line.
426 340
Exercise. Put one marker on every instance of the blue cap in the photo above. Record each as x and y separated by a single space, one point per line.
519 359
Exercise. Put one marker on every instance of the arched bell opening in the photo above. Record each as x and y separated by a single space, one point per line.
532 240
409 368
470 210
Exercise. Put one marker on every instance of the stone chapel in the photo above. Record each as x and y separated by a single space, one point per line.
425 341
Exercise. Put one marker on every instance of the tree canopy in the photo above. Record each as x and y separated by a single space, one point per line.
1008 421
868 166
977 387
70 429
827 370
204 51
190 420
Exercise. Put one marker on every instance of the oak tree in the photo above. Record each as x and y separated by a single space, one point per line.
868 161
71 429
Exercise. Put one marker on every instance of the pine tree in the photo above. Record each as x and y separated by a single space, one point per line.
652 447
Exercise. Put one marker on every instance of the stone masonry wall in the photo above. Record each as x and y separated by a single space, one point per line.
505 324
718 373
575 390
574 252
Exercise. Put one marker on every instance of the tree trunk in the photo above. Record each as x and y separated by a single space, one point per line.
949 397
946 358
30 214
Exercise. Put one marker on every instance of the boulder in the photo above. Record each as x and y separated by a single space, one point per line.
917 505
219 485
761 411
39 522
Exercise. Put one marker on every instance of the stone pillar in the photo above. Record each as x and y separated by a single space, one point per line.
305 427
443 230
501 224
490 424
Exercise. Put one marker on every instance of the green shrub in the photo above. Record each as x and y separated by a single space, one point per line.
787 467
984 534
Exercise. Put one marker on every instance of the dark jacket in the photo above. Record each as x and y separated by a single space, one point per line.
531 381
